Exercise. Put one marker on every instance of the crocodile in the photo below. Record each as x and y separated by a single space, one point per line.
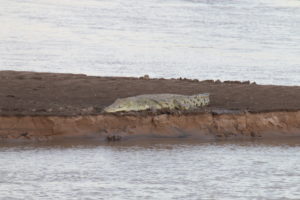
156 102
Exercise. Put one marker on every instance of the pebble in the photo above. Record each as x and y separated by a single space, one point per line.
113 138
146 77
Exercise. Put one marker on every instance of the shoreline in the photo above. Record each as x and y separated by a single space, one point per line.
47 106
205 126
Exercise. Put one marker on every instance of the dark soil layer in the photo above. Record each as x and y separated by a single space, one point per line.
28 93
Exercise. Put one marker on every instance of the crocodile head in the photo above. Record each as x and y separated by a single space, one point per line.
125 105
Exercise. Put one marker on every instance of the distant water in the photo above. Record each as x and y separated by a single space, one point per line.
256 40
162 169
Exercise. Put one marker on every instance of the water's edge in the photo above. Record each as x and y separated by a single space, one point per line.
204 126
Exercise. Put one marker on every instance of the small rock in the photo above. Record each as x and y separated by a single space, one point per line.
146 77
113 138
246 82
24 134
49 110
33 110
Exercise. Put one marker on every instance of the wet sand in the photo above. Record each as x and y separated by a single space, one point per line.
28 93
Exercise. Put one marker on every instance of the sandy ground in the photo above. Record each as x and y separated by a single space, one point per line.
28 93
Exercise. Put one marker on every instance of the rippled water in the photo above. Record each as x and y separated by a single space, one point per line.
255 40
155 169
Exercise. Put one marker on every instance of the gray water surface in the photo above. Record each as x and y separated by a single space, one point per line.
151 169
257 40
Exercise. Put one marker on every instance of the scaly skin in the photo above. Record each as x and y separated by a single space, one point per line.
158 102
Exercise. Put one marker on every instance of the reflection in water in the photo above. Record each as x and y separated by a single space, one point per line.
207 39
151 169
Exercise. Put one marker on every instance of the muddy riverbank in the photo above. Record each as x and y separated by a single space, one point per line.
42 106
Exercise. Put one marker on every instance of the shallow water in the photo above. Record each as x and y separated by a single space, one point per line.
256 40
151 169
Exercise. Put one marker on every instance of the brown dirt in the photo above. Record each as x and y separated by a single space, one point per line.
28 93
203 126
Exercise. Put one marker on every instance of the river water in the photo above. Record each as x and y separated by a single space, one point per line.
151 169
257 40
